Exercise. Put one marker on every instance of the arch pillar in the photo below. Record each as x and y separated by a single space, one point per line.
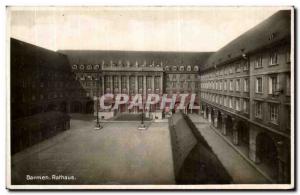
209 115
235 131
224 117
204 113
252 144
215 118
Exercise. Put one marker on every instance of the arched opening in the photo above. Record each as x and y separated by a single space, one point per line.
219 120
89 107
76 107
207 112
243 134
266 152
212 115
229 125
63 107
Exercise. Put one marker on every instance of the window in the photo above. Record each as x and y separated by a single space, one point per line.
188 68
238 67
231 85
225 85
258 85
245 106
273 58
181 68
246 85
230 102
225 101
246 65
237 104
237 85
258 62
258 109
273 113
196 68
273 84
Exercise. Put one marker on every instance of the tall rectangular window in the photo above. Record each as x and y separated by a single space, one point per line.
258 109
258 62
273 84
245 106
230 102
237 104
231 85
237 85
273 113
258 85
225 85
273 58
246 85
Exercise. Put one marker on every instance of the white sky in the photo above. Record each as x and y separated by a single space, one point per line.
134 28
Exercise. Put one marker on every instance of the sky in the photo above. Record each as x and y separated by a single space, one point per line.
134 28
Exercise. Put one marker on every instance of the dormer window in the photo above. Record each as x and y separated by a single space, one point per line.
189 68
89 67
74 67
174 68
181 68
96 67
81 67
196 68
167 68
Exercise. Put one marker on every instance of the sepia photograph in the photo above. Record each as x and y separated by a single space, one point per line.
150 97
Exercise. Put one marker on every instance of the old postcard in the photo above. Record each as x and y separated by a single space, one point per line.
150 97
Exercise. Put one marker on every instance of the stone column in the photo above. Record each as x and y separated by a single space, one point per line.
128 80
153 84
136 85
224 131
235 131
111 83
209 116
252 144
95 105
102 82
215 118
120 84
161 85
144 86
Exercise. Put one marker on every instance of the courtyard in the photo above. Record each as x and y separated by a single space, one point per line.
119 153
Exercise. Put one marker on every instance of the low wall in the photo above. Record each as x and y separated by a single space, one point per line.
194 161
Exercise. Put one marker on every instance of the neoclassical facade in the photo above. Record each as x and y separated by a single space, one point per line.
103 72
245 94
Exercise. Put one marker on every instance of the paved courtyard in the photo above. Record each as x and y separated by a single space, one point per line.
117 154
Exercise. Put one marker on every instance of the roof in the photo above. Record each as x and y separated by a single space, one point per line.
164 58
275 28
28 55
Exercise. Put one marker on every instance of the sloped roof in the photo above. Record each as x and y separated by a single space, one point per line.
28 55
277 26
166 58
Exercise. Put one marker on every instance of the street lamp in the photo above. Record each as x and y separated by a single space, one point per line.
142 125
97 126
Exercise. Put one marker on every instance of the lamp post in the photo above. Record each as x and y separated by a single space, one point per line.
142 125
97 126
